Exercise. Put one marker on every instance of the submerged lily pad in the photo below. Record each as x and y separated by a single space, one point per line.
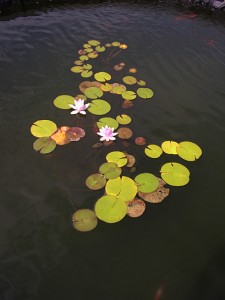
140 141
129 80
146 182
110 209
99 107
95 181
155 197
130 160
127 104
117 157
135 208
175 174
145 93
153 151
107 121
102 76
125 133
189 151
60 136
44 145
43 128
123 119
93 92
63 101
110 170
84 220
169 147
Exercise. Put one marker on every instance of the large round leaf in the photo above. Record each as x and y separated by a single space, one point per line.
110 209
128 189
123 119
110 170
189 151
99 107
107 121
170 147
118 88
113 186
42 128
102 76
95 181
84 220
93 92
86 73
63 101
129 95
117 157
153 151
44 145
145 93
146 182
129 80
175 174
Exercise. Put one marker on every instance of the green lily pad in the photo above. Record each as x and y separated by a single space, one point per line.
102 76
129 80
43 128
93 55
44 145
129 95
86 46
115 44
153 151
123 119
93 43
128 189
145 93
100 48
110 170
63 101
118 89
169 147
189 151
77 69
175 174
84 220
93 92
86 73
141 82
78 62
117 157
113 186
146 182
110 209
107 121
99 107
87 67
95 181
88 50
106 87
83 57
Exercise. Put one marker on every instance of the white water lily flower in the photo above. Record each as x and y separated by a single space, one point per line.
79 107
107 134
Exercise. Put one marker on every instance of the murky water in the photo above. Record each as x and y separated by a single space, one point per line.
177 246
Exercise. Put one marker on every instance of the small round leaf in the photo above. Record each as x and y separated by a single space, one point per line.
43 128
95 181
175 174
146 182
84 220
145 93
63 101
153 151
99 107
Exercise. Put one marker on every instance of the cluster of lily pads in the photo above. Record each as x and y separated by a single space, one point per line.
123 195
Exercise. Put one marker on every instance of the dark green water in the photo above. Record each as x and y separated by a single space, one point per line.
178 245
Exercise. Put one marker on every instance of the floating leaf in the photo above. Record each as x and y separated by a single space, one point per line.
84 220
99 107
102 76
86 84
123 119
63 101
141 82
133 70
83 57
88 50
145 93
135 208
118 88
117 157
78 62
124 133
128 189
60 136
95 181
44 145
110 170
93 92
87 67
93 54
115 44
74 134
110 209
146 182
129 80
169 147
107 121
80 96
130 160
155 197
86 46
127 104
93 43
113 186
118 67
86 73
108 45
129 95
189 151
43 128
175 174
123 46
153 151
77 69
106 87
100 48
140 141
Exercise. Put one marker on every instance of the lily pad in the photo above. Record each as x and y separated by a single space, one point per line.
83 57
110 209
155 197
145 93
84 220
128 189
123 119
146 182
80 96
77 69
44 145
63 101
87 84
107 121
175 174
133 70
115 44
130 160
74 134
78 62
118 89
117 157
100 48
140 141
60 136
141 82
110 170
86 73
129 95
99 107
86 46
106 87
87 67
43 128
93 42
124 133
189 151
135 208
113 186
93 92
153 151
93 54
129 80
169 147
102 76
95 181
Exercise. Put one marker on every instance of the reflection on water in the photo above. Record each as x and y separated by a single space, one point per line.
182 59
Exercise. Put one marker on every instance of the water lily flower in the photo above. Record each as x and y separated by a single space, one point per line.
107 134
79 107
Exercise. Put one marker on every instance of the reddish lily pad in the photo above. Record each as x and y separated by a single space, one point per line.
135 208
124 133
140 141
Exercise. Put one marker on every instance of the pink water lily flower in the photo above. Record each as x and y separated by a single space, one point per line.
79 107
107 134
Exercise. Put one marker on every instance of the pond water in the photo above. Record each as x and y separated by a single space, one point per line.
177 248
